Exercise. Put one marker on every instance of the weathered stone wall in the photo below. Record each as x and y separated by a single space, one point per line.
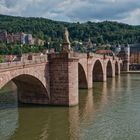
55 80
63 79
73 81
31 90
32 82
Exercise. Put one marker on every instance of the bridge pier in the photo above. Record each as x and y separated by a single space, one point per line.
119 68
89 82
113 70
104 77
63 71
89 74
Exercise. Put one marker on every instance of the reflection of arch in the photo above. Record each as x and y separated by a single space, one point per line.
82 77
121 66
116 68
30 89
97 72
8 122
109 69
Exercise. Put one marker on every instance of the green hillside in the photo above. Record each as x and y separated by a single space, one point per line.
103 32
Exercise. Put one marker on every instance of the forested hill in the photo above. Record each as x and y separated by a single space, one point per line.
102 32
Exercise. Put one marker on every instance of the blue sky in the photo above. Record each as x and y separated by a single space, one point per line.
126 11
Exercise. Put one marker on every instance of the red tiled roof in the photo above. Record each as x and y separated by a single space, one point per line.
104 52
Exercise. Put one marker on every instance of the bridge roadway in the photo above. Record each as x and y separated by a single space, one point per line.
54 79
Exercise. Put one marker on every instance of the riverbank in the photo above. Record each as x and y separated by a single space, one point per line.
130 72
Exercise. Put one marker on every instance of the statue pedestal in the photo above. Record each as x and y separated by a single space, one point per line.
66 47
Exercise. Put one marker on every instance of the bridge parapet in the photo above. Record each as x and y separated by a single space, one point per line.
104 56
24 61
79 55
95 55
34 58
90 55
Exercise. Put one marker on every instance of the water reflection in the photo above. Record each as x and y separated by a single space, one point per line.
109 111
41 123
8 111
8 123
117 114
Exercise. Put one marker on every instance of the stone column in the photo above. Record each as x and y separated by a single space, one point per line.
104 71
63 71
119 68
90 81
113 69
104 76
89 74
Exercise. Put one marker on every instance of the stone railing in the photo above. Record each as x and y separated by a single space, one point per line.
24 61
37 59
79 55
87 55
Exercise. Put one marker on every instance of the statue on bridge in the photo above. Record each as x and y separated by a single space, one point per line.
66 36
66 44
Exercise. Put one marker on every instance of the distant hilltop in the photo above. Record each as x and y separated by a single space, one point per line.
45 29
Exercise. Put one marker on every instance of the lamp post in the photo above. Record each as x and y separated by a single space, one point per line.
60 47
49 47
21 49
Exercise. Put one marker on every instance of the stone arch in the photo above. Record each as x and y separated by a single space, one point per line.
82 80
116 68
97 72
109 69
30 89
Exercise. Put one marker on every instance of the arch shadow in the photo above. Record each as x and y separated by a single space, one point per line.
109 69
97 72
82 80
116 68
30 89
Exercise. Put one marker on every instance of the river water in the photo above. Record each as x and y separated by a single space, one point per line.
111 111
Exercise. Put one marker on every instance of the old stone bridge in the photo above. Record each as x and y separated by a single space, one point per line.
54 79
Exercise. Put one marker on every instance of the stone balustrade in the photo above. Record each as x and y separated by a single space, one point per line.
24 61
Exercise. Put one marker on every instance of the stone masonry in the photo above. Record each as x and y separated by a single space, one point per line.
56 78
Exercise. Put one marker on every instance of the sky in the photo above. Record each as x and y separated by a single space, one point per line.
126 11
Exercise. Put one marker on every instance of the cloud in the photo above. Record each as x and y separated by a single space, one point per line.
75 10
133 17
